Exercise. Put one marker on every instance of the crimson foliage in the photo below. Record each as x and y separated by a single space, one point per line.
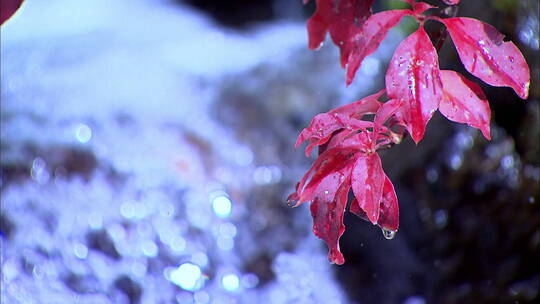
8 8
415 88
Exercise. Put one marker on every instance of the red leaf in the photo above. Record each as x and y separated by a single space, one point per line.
367 40
357 109
327 210
367 179
355 209
464 102
347 139
388 109
487 56
324 125
8 8
329 169
388 208
341 18
413 75
421 7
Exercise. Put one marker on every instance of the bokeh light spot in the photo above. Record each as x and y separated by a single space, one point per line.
186 276
83 133
230 282
222 206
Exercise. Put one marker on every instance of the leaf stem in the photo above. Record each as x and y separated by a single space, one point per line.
440 37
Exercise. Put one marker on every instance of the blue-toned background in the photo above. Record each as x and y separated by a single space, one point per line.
147 151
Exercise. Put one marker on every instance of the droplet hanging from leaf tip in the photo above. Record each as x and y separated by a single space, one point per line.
291 203
318 47
388 234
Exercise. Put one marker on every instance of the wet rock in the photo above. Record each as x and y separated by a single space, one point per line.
101 241
7 227
82 283
129 288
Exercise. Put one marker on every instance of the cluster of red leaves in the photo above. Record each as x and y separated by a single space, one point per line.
415 87
8 8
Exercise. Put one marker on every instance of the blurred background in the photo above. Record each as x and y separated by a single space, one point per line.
147 151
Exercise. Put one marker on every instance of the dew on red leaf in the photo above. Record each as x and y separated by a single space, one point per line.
369 37
367 181
327 211
464 102
418 85
487 56
416 88
388 234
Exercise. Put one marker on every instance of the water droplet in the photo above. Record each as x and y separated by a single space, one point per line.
388 234
292 203
326 191
511 58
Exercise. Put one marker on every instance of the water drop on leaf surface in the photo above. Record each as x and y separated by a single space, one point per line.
291 203
388 234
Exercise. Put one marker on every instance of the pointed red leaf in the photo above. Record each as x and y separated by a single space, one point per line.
8 8
327 210
413 75
388 109
328 169
357 109
389 209
325 183
369 37
367 179
487 56
324 125
341 18
346 139
355 209
464 102
317 29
